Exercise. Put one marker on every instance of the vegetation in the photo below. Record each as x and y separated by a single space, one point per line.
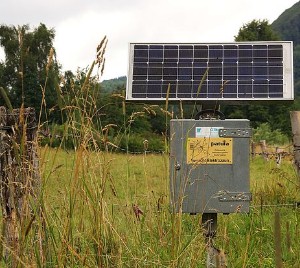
256 30
113 84
103 209
272 137
24 74
100 208
112 210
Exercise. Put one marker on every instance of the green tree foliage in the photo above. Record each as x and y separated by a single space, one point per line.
112 84
127 124
30 69
272 137
257 30
134 122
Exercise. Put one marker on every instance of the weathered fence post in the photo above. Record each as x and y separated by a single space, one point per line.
295 122
19 181
253 152
278 156
263 146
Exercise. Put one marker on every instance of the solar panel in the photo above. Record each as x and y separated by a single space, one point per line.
211 71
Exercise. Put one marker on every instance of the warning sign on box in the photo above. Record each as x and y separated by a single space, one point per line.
209 151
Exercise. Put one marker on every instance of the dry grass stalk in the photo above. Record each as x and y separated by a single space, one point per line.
50 60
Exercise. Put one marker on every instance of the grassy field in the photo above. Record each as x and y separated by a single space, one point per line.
112 210
101 209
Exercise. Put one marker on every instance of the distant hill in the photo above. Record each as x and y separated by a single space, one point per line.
287 25
113 84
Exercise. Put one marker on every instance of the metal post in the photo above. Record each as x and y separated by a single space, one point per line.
209 225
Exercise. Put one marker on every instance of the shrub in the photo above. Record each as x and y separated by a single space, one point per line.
140 142
56 136
272 137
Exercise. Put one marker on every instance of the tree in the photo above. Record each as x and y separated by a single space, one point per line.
257 30
30 69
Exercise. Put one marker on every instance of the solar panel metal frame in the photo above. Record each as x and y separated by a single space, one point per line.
219 59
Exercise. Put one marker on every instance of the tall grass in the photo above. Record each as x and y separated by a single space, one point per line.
104 209
90 229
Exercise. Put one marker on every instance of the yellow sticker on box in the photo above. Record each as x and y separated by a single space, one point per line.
216 151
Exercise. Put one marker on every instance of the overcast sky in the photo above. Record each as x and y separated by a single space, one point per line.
81 24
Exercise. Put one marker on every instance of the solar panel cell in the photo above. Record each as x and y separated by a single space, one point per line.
200 53
156 54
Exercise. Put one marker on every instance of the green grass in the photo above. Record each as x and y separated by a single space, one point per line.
88 203
100 209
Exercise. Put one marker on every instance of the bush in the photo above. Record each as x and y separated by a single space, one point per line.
140 142
56 136
272 137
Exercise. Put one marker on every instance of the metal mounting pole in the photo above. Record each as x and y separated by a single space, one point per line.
209 225
209 220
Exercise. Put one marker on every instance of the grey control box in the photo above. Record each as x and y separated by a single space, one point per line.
209 165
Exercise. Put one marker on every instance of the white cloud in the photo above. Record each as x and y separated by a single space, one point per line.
77 38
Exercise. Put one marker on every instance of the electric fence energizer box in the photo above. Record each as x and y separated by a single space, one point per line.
209 165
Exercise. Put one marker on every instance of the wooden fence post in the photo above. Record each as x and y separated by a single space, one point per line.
253 153
263 146
295 122
19 181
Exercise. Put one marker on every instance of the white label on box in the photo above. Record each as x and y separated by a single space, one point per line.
208 132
